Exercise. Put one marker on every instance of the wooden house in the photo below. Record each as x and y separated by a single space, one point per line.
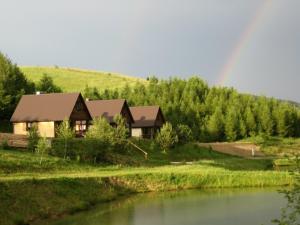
147 121
109 109
47 111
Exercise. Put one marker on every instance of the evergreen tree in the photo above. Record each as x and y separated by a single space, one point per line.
167 137
215 125
46 85
231 125
250 122
13 84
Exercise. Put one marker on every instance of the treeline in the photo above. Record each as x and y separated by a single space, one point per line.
213 114
13 84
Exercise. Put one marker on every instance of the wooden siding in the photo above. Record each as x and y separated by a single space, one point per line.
46 129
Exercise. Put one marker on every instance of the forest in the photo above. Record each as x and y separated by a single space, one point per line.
212 113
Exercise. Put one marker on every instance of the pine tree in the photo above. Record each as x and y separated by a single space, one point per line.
46 85
215 125
231 124
250 122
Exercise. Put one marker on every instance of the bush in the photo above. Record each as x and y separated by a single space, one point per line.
184 134
4 144
167 137
33 138
101 130
84 150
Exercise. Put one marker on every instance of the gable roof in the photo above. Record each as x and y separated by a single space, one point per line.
145 116
45 107
107 108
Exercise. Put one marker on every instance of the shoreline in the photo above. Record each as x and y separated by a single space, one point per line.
69 195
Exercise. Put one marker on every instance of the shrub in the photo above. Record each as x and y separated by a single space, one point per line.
85 150
33 138
101 130
167 137
4 144
184 134
121 131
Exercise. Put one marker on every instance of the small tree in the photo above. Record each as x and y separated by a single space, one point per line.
47 85
65 132
121 131
42 148
167 137
184 134
101 129
33 138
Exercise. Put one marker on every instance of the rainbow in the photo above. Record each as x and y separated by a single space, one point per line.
250 29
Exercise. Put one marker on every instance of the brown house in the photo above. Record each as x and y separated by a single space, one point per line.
147 121
47 111
109 109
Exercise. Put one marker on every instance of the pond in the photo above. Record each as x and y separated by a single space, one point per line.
194 207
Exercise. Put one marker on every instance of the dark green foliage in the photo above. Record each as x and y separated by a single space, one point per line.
91 93
81 149
184 134
213 114
13 85
33 138
4 144
46 85
6 126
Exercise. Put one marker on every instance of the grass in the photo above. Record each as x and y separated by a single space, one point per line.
66 187
75 80
277 146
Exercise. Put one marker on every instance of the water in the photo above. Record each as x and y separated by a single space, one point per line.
197 207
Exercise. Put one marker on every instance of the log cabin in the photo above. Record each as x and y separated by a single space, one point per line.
47 111
147 121
109 109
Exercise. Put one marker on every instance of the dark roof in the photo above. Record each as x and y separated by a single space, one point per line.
145 116
45 107
107 108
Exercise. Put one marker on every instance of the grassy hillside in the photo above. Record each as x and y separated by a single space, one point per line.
74 80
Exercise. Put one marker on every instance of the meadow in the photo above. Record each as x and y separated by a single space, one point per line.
75 80
70 186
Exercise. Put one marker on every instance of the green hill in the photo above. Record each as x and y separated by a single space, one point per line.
74 80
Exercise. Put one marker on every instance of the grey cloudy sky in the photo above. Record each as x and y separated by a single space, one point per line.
163 38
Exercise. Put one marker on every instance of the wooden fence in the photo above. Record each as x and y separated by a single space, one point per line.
14 140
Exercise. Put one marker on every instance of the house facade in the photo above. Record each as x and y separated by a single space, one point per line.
47 111
147 121
109 109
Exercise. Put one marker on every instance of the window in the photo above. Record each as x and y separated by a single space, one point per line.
29 126
80 126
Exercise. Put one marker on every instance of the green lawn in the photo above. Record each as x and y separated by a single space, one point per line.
75 80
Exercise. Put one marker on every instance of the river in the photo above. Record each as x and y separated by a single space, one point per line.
194 207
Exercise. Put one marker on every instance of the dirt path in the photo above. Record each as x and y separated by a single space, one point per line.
237 149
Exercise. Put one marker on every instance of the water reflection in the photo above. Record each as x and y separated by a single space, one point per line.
230 207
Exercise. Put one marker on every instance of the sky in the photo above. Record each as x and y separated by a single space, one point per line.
251 45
